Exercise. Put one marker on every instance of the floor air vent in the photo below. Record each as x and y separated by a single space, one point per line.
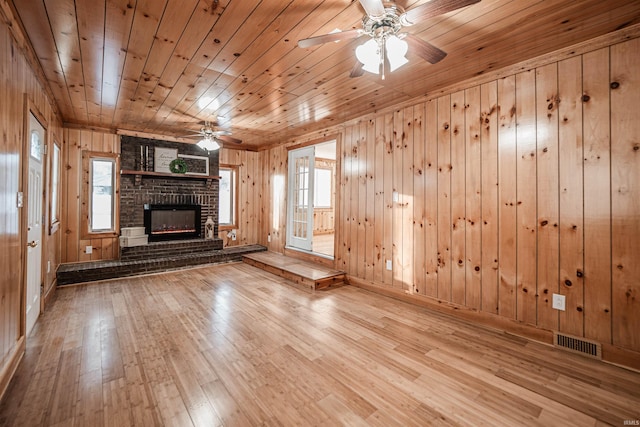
578 345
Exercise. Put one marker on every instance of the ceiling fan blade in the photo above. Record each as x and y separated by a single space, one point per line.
326 38
374 8
190 135
357 70
228 139
433 8
424 49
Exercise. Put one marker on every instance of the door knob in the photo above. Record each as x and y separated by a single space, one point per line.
32 244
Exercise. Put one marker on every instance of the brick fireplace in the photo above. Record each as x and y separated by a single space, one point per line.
138 191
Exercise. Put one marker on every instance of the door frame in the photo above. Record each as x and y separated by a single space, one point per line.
31 108
336 261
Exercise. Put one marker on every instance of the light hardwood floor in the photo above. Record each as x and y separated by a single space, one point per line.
232 345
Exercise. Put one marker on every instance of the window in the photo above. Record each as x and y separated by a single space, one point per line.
228 190
54 206
100 202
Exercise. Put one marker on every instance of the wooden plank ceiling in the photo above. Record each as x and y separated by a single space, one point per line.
164 66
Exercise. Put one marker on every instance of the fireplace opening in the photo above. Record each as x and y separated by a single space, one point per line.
172 222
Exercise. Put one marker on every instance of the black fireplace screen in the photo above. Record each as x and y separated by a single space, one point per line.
169 222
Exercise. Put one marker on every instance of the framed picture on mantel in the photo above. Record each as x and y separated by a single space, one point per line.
162 158
196 165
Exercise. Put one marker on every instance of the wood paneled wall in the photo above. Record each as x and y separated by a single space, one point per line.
249 197
73 247
497 195
19 85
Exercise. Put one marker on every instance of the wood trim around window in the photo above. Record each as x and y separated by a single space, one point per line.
85 232
236 190
55 224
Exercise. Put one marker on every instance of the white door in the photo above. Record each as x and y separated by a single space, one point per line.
300 210
34 221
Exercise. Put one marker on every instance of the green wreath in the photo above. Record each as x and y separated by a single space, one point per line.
178 166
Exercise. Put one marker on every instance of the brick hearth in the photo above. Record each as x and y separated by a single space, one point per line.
151 258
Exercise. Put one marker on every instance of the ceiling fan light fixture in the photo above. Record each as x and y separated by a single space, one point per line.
208 143
368 54
396 49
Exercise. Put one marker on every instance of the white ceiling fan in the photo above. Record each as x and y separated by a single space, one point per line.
383 23
210 137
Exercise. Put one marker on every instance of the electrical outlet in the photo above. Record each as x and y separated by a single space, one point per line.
558 302
233 235
389 265
269 238
88 249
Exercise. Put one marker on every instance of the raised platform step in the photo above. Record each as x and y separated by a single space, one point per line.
81 272
304 273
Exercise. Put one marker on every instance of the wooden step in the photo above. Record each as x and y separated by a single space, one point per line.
304 273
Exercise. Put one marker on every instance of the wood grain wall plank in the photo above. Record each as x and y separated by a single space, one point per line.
526 190
444 198
347 162
408 199
571 195
490 207
71 211
473 199
354 200
419 199
370 252
388 230
362 199
378 180
458 196
597 184
507 160
431 199
397 197
547 100
625 191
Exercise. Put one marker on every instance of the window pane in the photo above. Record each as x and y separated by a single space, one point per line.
226 197
101 194
55 181
322 195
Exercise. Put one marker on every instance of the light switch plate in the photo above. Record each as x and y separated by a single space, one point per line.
559 302
389 265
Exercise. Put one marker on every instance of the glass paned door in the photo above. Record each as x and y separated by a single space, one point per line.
301 185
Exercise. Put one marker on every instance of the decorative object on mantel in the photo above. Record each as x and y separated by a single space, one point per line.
196 165
163 157
208 228
178 166
144 157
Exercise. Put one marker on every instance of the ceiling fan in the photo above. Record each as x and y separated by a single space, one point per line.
210 137
382 23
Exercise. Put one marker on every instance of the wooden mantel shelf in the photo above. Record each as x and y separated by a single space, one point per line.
168 175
